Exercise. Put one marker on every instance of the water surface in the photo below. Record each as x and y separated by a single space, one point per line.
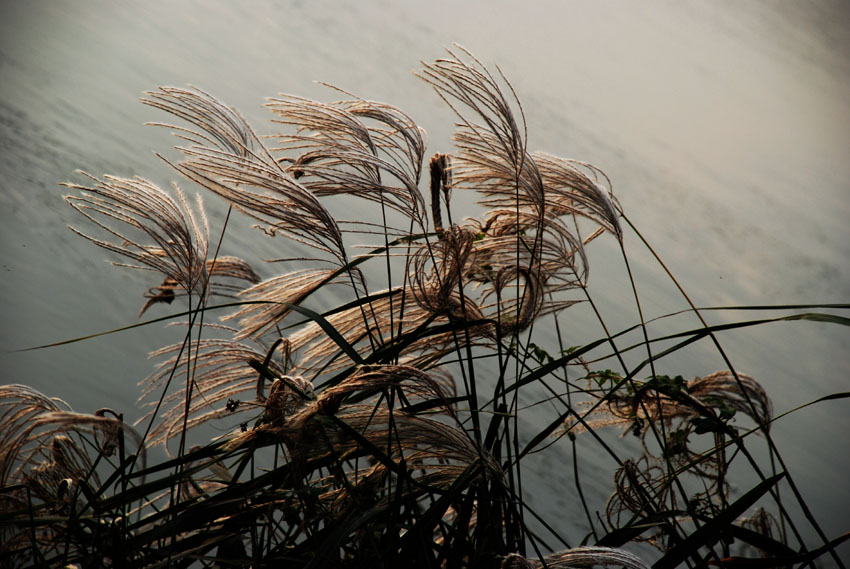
724 126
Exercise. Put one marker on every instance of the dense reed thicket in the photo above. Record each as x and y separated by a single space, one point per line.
386 430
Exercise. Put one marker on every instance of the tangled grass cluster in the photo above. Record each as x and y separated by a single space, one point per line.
365 435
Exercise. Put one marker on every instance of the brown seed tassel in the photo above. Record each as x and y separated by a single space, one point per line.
439 166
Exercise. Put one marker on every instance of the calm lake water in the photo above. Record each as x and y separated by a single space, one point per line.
724 126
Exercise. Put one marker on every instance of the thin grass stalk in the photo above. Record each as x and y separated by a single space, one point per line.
388 266
733 439
467 373
774 451
628 378
661 437
582 419
190 375
569 404
364 452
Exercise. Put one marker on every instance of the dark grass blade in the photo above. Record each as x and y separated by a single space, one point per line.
328 328
424 528
374 452
621 536
787 560
767 544
140 324
712 531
